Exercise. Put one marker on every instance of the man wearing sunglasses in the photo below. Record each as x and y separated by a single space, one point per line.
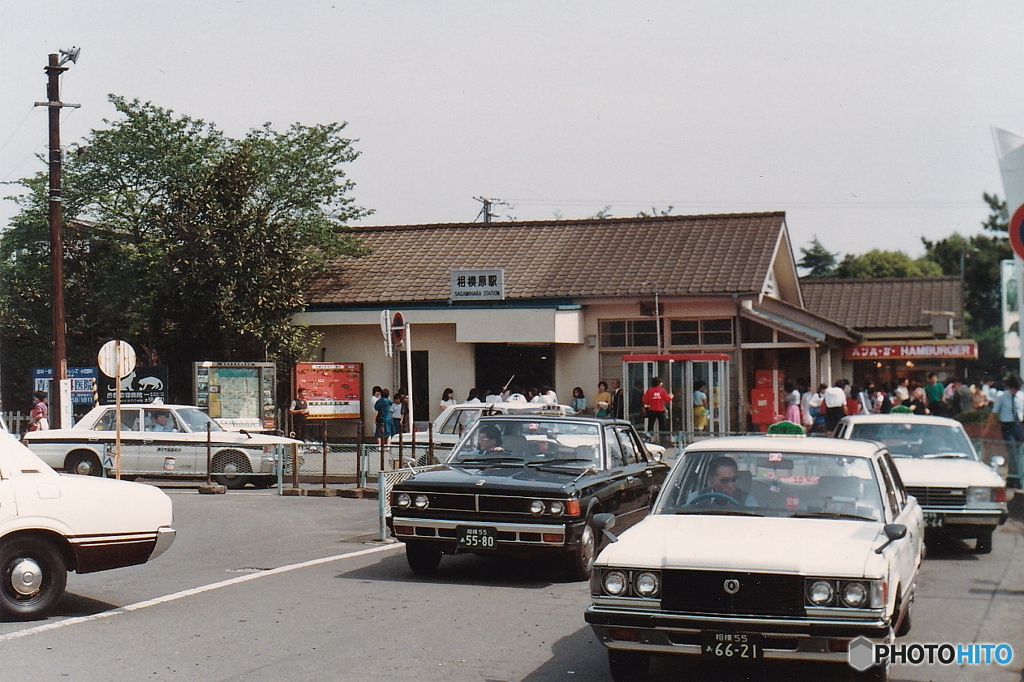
722 488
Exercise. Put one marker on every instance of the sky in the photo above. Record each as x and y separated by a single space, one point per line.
868 123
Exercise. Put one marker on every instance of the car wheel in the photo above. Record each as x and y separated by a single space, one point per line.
422 559
628 665
83 463
580 561
231 469
263 482
33 575
983 545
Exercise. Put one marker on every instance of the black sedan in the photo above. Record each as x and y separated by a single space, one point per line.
521 485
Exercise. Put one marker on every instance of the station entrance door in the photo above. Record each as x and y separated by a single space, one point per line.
683 374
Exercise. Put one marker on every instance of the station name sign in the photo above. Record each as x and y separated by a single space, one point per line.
477 284
963 349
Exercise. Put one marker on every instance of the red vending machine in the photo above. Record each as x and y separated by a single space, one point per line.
764 397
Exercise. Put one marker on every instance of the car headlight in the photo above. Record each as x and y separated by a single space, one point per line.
821 592
557 508
421 502
855 594
403 500
647 584
536 507
615 583
979 495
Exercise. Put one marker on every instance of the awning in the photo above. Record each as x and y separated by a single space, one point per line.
955 349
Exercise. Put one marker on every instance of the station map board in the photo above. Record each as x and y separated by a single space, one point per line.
333 389
239 395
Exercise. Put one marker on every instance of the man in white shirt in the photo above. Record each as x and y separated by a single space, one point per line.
835 404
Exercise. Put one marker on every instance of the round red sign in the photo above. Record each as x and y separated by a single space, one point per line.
1016 225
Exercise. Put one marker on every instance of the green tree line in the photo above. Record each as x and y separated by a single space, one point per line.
186 243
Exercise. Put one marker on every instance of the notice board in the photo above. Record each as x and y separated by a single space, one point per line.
334 390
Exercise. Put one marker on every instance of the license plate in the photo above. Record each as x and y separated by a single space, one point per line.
932 520
472 537
739 646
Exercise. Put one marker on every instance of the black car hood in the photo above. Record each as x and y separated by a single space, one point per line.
493 478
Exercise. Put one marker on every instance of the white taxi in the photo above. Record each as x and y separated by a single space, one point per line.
162 440
961 496
51 524
762 547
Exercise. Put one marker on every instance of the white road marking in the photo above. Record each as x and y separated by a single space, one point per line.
195 590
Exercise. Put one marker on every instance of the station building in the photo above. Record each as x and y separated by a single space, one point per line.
566 303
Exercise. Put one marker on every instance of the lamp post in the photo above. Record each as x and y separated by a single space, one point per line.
54 69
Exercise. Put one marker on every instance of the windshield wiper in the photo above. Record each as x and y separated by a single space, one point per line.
717 512
944 455
560 460
490 460
829 515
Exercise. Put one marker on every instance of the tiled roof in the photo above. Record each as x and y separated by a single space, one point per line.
889 303
685 255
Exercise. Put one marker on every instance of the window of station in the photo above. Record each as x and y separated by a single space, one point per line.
715 332
629 333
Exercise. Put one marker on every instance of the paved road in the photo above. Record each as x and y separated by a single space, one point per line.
259 587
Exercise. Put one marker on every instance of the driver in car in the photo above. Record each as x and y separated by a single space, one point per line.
721 486
489 439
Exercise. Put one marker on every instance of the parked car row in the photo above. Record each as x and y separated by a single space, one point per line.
750 548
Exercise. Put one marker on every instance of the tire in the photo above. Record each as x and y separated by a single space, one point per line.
263 482
231 469
580 561
422 559
626 666
33 575
983 545
83 463
905 626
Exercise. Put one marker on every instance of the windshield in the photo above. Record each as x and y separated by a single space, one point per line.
196 420
772 484
534 442
922 441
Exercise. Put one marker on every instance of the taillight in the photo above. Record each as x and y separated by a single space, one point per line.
1000 494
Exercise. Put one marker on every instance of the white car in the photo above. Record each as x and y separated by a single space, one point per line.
762 547
51 524
961 496
164 440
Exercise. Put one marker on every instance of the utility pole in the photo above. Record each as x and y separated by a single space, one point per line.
485 210
60 362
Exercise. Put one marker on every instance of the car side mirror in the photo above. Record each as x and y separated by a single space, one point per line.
604 523
893 531
997 461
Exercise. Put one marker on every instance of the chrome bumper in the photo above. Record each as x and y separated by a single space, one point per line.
164 537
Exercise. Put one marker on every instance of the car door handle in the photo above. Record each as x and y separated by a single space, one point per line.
629 479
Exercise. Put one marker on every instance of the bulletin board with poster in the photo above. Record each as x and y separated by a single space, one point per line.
334 390
239 395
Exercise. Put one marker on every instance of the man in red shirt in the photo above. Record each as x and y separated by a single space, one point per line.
655 402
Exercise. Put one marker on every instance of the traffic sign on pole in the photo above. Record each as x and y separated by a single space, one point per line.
398 328
1016 227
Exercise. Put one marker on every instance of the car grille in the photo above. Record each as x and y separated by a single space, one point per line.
492 504
939 497
759 594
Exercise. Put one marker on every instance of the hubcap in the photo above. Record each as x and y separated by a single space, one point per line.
26 577
587 545
83 468
230 468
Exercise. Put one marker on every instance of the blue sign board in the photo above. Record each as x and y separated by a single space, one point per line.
83 383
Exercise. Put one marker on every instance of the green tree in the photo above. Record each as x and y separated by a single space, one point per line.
820 261
878 263
999 218
186 243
